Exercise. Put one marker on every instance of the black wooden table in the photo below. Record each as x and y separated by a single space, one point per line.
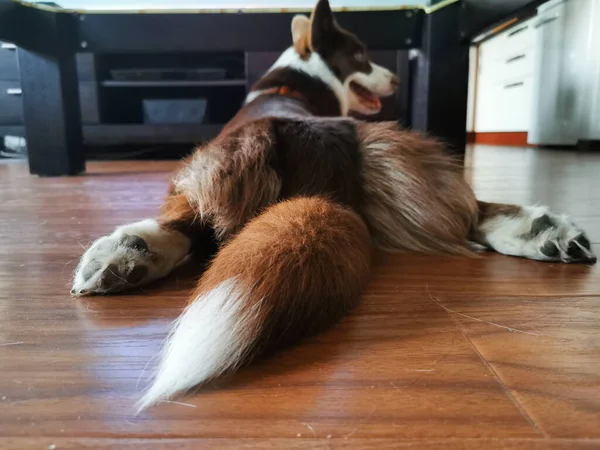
48 39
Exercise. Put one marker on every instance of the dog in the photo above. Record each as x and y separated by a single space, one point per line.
297 195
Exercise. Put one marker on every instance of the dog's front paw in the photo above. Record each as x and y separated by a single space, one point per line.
113 263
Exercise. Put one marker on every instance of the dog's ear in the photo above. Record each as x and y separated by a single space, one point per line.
301 35
300 27
322 24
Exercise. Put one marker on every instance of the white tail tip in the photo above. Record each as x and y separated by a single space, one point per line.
213 335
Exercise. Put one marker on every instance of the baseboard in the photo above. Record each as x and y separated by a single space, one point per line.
517 139
590 145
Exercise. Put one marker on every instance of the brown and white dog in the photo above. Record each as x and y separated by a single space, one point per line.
298 195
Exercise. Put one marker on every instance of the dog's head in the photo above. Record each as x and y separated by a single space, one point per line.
362 82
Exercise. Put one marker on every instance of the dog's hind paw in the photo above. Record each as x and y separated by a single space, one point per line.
132 256
558 239
537 233
113 264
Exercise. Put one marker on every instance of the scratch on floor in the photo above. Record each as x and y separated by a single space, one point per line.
437 302
137 385
189 405
19 402
346 436
307 425
12 343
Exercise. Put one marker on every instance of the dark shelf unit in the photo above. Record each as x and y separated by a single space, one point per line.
166 77
112 109
173 83
132 134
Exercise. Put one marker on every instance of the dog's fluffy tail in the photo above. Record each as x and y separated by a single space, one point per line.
415 196
291 271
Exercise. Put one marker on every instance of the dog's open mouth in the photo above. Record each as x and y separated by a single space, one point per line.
365 96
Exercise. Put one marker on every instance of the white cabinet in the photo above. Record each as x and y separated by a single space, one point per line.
542 76
504 81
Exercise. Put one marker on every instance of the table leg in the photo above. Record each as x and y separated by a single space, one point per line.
52 114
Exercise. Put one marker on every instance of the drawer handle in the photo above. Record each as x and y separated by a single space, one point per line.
517 31
515 58
546 22
14 91
7 46
513 85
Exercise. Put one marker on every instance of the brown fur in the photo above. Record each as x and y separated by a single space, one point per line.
410 192
304 263
178 214
487 211
490 210
229 180
414 195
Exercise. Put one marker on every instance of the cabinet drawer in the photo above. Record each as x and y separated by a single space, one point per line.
504 106
514 105
516 65
517 41
9 67
518 38
11 103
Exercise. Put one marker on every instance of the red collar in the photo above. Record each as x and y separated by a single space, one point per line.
285 91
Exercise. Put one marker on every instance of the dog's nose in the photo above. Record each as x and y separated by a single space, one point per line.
395 81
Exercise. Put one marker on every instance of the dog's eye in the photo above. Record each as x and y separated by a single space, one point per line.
360 57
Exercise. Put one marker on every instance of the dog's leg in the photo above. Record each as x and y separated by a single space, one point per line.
532 232
138 253
224 185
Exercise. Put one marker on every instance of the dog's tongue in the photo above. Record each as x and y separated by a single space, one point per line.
375 102
371 100
368 98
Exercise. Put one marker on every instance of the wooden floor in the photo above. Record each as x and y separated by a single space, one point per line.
443 352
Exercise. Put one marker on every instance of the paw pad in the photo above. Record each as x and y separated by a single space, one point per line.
112 265
540 224
134 242
550 249
579 250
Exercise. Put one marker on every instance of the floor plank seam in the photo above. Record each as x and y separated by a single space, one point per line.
505 388
489 367
552 296
63 438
